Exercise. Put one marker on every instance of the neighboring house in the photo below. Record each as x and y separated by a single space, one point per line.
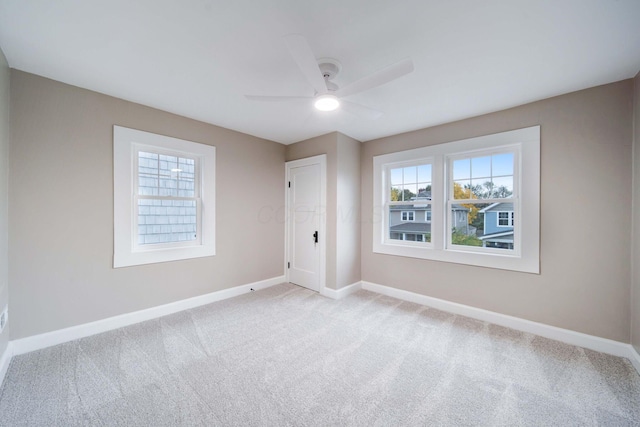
410 222
498 226
413 222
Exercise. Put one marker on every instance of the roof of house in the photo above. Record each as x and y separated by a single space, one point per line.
498 234
500 206
417 207
422 207
423 195
411 227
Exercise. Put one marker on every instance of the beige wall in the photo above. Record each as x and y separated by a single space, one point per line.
343 203
348 211
585 217
635 283
61 209
4 193
61 212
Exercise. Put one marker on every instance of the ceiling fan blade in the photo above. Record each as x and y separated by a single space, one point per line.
306 60
276 98
360 110
378 78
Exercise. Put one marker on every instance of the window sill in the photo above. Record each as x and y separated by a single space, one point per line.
500 261
132 258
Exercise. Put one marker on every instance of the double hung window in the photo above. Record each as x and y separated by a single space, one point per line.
408 199
164 194
473 202
167 195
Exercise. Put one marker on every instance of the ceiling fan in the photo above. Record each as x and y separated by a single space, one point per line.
319 73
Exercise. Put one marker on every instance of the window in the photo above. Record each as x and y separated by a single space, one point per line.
408 189
408 216
164 193
480 199
505 219
167 198
481 183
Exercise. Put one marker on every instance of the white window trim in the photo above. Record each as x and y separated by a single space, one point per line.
427 214
526 259
413 216
127 252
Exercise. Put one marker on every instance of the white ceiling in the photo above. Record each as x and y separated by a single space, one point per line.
197 58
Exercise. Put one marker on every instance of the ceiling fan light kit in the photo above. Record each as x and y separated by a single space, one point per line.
320 72
327 103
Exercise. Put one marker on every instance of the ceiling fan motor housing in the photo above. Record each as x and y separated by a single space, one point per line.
329 67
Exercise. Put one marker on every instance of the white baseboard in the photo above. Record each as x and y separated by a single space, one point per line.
579 339
48 339
342 292
5 359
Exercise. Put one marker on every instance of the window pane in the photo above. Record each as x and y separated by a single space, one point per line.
424 191
481 167
396 176
482 188
424 173
147 174
502 164
396 194
461 169
164 221
162 175
410 182
482 225
503 187
463 190
410 174
409 223
491 177
410 192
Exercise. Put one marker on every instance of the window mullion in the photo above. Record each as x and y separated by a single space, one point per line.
438 196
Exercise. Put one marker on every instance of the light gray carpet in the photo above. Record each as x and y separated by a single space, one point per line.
287 356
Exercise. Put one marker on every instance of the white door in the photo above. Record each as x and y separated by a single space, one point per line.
305 222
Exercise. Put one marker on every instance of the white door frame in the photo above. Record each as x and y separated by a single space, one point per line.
322 232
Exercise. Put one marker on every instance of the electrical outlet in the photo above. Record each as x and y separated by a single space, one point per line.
3 318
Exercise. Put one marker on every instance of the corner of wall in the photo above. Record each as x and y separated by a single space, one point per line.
348 212
635 241
4 198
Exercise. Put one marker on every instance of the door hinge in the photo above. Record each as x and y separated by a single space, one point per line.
288 265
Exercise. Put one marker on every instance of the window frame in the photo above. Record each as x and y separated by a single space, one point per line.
388 203
514 149
137 148
126 145
526 142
